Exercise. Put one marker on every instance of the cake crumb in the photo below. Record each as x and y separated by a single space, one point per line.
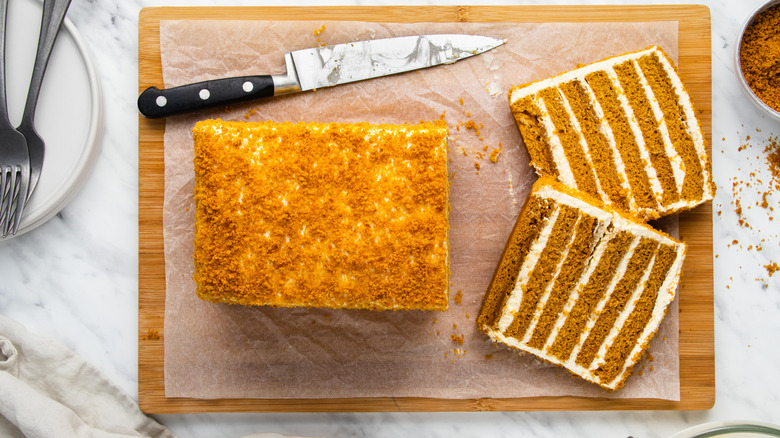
250 113
458 339
763 181
494 153
488 356
473 126
152 335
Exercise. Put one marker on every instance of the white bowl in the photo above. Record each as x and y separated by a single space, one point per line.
737 56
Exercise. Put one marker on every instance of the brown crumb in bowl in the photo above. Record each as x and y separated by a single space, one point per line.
760 56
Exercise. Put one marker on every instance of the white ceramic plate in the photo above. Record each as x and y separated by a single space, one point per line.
731 429
69 112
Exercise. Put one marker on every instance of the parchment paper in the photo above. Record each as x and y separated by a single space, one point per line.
219 350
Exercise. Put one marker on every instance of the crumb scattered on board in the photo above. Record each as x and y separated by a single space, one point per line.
489 154
644 364
151 335
456 338
317 33
458 297
763 157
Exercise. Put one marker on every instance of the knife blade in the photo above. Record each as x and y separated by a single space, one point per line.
318 67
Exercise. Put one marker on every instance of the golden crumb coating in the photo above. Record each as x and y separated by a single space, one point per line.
322 214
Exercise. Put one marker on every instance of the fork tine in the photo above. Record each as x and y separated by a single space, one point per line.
9 207
6 202
9 210
20 195
13 191
4 199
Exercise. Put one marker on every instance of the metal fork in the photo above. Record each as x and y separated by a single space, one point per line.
14 157
51 20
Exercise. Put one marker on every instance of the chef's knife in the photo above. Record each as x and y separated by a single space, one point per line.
318 68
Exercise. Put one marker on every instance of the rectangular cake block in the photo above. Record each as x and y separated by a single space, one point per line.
322 214
581 285
623 130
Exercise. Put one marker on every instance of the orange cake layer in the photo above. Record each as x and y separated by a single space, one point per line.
581 285
623 130
322 214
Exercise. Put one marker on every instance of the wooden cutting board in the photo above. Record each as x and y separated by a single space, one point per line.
697 357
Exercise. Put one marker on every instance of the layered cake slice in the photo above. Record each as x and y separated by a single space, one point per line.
322 214
581 285
623 130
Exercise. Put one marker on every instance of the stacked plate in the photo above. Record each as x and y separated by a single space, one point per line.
69 114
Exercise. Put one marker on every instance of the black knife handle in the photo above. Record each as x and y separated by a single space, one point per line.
155 103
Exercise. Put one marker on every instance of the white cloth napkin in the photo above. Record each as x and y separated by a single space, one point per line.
48 391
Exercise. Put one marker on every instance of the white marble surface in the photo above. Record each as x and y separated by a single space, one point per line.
74 279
